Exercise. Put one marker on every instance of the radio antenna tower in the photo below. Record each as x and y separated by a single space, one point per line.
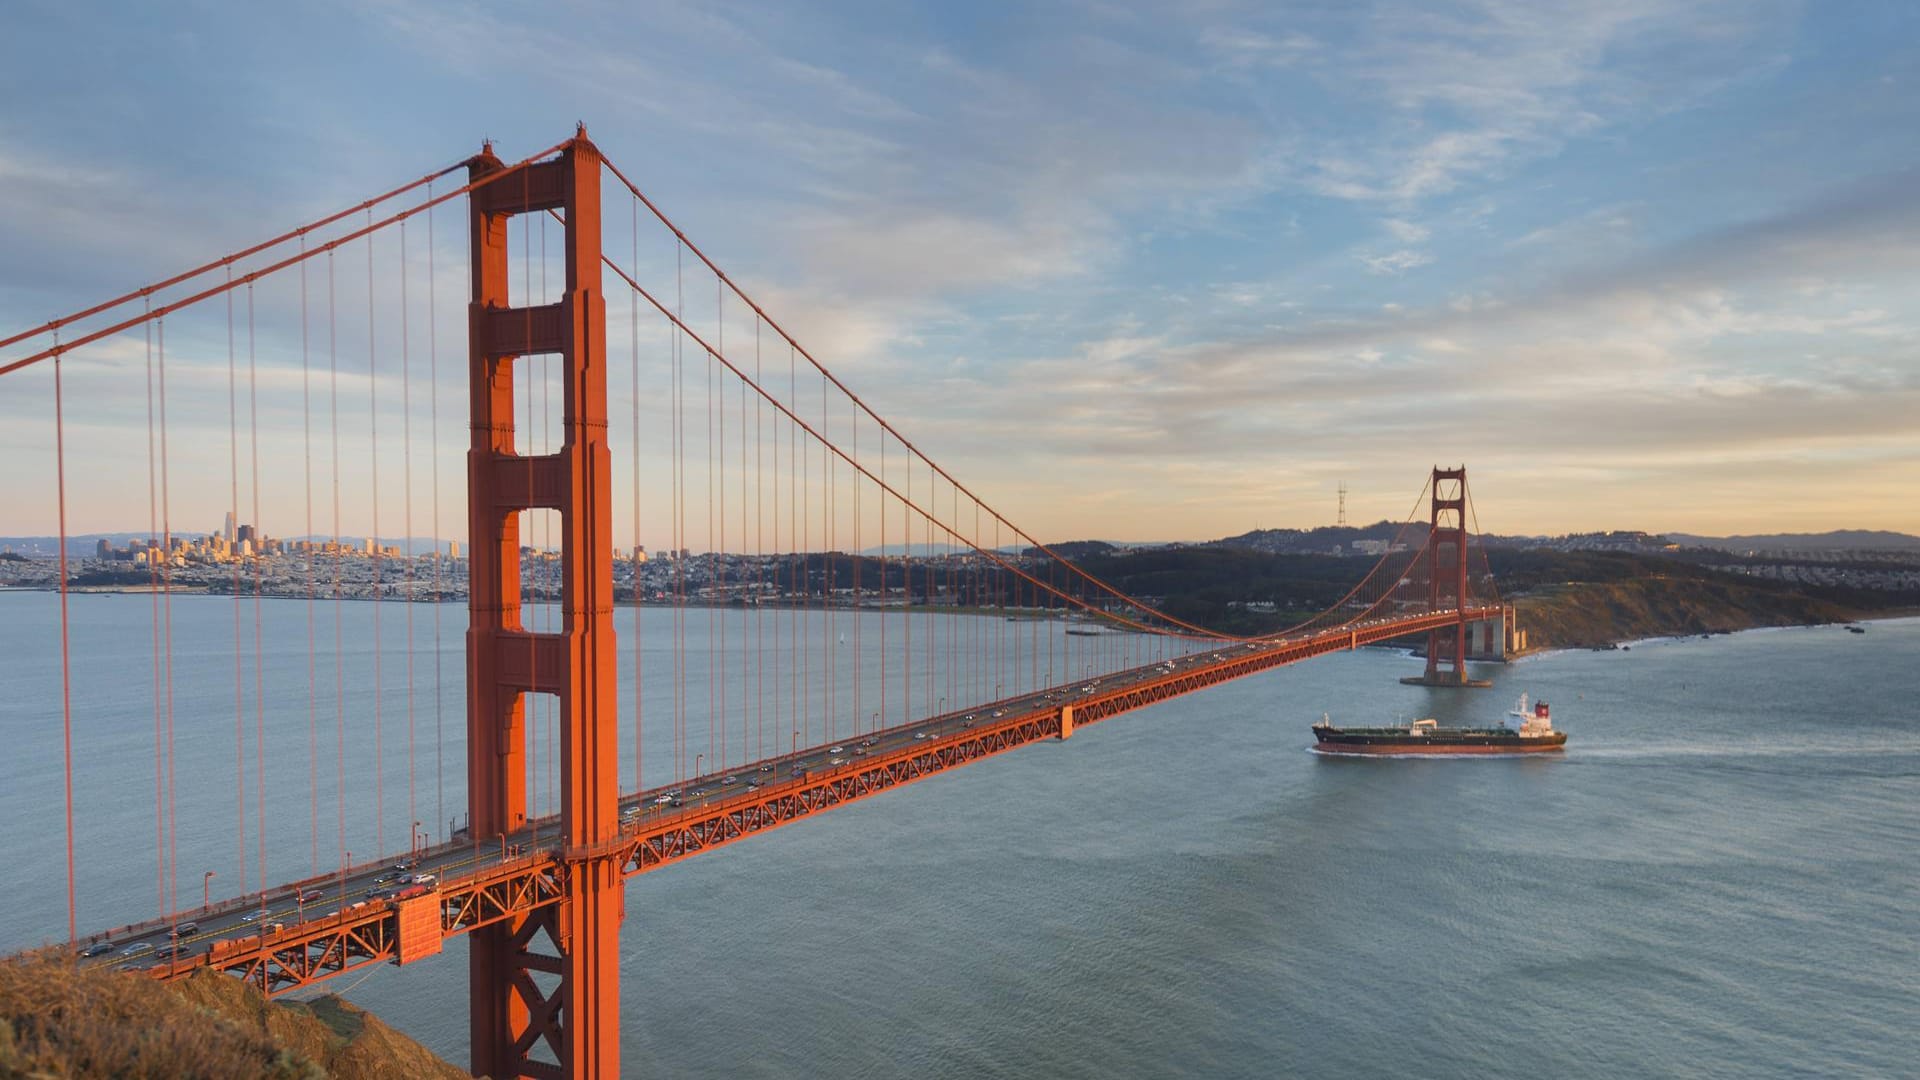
1341 520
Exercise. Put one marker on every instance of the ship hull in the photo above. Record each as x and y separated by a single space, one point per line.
1388 741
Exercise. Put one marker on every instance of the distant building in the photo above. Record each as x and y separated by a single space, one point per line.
227 532
453 549
103 550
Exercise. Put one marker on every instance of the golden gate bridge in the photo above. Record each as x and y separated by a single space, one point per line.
814 518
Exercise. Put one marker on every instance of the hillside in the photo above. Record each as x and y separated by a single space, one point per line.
1566 598
1601 613
58 1020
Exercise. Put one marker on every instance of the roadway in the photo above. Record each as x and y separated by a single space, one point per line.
360 891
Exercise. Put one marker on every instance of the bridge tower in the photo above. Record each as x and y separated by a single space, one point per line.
1447 576
545 982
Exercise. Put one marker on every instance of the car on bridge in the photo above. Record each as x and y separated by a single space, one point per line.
98 948
138 948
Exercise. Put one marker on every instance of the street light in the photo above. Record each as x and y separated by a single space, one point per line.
696 765
206 891
415 838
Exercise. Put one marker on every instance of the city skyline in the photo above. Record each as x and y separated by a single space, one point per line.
1640 267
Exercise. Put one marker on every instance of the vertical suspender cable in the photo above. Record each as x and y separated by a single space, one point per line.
373 542
633 319
66 665
166 608
154 549
717 504
433 457
259 570
339 634
760 553
747 655
306 429
233 512
406 502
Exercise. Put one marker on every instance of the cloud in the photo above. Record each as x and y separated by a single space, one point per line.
1398 262
1406 231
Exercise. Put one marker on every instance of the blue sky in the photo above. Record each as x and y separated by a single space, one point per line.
1135 271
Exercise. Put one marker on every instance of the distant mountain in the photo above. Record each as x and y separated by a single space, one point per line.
1304 541
1838 540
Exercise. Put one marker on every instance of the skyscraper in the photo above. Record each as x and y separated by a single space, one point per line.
228 531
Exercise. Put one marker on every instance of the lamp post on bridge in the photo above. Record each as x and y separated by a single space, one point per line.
206 891
414 839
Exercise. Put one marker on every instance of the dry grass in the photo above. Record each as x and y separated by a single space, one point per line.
60 1020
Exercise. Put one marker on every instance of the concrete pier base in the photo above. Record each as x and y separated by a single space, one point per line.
1443 680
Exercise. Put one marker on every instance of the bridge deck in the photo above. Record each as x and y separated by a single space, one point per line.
280 945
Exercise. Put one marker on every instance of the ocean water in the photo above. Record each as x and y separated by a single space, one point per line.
1719 878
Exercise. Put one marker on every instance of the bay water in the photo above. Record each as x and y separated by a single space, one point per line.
1720 877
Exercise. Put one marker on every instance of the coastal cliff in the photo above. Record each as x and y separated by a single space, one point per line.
1597 614
61 1020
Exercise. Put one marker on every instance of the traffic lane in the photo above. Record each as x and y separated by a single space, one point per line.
377 883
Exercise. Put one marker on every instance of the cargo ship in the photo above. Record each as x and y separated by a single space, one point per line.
1527 730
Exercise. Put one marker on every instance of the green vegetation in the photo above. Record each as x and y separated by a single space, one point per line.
1565 598
60 1020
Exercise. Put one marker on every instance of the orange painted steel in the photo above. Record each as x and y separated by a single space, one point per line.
576 1022
1448 525
529 893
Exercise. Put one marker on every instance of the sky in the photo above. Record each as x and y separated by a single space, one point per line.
1131 271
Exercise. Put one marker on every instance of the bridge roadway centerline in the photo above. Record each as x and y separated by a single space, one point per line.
351 920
